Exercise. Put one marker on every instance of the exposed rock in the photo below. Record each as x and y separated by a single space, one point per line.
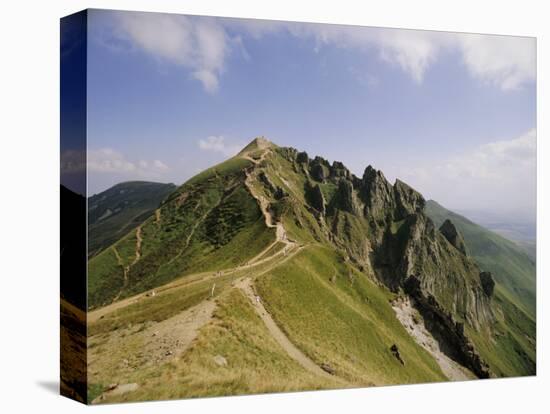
279 193
408 201
338 170
443 326
327 368
315 197
395 351
453 236
345 196
302 158
220 361
264 179
376 192
319 169
487 283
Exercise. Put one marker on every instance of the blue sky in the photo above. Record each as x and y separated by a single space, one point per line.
451 114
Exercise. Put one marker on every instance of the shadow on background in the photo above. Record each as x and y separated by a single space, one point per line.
50 386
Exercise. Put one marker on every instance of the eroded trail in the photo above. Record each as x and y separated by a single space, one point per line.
125 270
139 240
405 313
246 286
280 233
159 342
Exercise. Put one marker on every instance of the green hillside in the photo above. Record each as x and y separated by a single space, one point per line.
114 212
200 227
274 271
510 265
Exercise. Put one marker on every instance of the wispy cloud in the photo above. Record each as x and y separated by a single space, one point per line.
219 144
107 160
197 44
506 61
497 176
202 45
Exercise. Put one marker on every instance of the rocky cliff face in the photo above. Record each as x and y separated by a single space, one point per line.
383 229
453 236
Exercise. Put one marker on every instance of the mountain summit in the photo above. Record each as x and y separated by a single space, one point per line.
258 143
361 285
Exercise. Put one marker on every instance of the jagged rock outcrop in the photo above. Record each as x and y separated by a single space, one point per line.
407 200
384 231
451 233
338 170
319 169
487 282
377 194
302 158
315 197
345 197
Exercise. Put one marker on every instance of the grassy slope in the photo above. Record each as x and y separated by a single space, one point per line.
347 323
203 226
255 362
128 203
511 267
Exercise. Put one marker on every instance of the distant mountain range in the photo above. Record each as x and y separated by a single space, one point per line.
289 273
114 212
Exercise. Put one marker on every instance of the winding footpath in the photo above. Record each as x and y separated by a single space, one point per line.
173 336
246 287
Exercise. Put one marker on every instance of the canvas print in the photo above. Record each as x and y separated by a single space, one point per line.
254 206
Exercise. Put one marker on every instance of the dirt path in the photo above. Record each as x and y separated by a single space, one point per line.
155 344
246 286
406 315
290 250
139 240
172 337
125 270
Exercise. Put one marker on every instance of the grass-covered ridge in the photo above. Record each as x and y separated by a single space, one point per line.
202 226
276 272
116 211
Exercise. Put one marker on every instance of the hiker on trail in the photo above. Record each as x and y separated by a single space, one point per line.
257 299
212 292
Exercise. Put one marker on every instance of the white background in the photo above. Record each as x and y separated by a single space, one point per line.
29 206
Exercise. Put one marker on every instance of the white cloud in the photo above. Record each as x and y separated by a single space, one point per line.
202 45
197 44
506 61
498 176
107 160
219 144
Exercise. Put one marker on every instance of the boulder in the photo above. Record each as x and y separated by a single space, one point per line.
220 361
395 351
327 368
